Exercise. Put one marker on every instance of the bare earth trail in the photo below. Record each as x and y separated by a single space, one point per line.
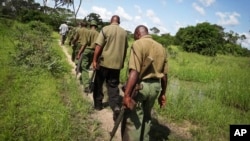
105 116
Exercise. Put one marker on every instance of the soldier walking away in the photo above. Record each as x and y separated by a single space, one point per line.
137 120
80 40
86 54
110 50
71 35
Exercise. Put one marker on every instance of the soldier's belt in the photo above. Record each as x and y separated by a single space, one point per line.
150 80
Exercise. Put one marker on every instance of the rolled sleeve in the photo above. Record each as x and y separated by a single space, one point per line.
100 39
135 59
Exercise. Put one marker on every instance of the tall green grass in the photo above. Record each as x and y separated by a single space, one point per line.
35 105
209 92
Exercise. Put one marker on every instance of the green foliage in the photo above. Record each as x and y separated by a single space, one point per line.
32 110
96 17
208 92
33 48
155 30
26 11
124 71
165 39
39 107
203 39
32 15
207 39
232 88
172 52
35 105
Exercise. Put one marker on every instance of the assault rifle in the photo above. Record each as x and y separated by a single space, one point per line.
138 87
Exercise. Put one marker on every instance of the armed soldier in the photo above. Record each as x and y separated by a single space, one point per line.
71 35
136 121
111 48
86 54
81 40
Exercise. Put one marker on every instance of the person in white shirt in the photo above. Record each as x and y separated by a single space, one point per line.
63 32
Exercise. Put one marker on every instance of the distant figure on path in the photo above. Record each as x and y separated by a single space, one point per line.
63 32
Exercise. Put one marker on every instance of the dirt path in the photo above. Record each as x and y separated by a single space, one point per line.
104 116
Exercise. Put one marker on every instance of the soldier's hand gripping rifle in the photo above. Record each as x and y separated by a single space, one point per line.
138 87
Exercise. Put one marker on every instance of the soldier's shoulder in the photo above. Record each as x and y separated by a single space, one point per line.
106 27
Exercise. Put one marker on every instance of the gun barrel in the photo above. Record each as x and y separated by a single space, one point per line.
117 123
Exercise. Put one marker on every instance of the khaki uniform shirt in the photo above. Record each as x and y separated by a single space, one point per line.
72 33
113 40
93 34
82 36
143 48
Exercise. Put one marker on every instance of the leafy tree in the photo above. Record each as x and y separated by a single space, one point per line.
231 37
14 8
155 30
232 45
203 38
164 39
96 17
30 15
60 3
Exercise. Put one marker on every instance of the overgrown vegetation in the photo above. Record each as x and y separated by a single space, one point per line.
209 92
39 100
33 48
202 38
36 105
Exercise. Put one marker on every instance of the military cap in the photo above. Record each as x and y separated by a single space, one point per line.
93 22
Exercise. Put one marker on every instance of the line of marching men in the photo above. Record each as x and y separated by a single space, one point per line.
105 53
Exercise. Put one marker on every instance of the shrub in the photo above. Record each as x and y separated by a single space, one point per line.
33 48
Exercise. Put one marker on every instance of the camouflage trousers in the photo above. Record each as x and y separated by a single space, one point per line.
136 124
85 65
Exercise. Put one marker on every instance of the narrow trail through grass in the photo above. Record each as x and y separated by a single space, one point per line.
104 116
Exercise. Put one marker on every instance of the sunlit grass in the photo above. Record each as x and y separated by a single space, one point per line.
210 92
35 105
